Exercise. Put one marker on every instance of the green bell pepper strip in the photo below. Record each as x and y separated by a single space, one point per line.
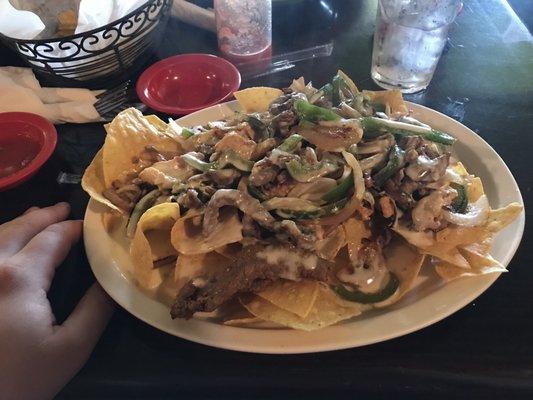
255 122
256 192
339 85
340 190
196 163
228 157
306 173
309 112
297 214
140 208
396 161
366 298
460 203
231 157
374 127
290 144
186 133
438 137
333 208
259 127
336 93
325 91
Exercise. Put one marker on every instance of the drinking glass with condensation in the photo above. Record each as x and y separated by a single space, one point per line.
244 29
408 42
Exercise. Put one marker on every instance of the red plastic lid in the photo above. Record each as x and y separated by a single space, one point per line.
186 83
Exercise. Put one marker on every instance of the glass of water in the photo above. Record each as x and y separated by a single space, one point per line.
408 41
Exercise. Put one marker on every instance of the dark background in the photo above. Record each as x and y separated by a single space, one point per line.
485 80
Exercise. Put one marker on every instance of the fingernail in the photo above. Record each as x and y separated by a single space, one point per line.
63 204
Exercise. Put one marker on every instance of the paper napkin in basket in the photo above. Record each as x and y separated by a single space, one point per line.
37 19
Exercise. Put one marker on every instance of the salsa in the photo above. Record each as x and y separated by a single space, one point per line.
16 153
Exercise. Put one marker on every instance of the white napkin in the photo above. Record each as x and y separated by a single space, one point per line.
21 23
18 24
22 92
94 14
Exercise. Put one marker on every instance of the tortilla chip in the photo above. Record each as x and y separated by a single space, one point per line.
160 217
481 247
460 169
355 231
243 322
496 221
159 124
450 272
160 244
474 190
454 236
187 237
111 220
447 254
391 99
242 318
127 136
479 258
501 217
417 239
166 292
93 181
444 243
257 99
405 262
448 242
329 247
296 297
327 310
479 262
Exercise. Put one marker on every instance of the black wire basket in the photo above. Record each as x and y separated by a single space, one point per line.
102 56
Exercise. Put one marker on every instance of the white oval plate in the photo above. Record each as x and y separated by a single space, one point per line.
428 302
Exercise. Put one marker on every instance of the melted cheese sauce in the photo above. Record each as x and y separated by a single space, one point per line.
291 259
367 280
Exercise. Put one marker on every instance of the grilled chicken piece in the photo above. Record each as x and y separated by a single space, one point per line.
164 174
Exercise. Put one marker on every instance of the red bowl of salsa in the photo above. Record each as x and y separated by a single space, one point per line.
26 142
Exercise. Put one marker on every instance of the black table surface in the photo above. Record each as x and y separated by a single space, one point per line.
485 81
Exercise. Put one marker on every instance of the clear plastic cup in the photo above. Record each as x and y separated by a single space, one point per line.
408 42
244 29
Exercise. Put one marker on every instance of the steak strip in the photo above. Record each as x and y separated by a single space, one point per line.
251 272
